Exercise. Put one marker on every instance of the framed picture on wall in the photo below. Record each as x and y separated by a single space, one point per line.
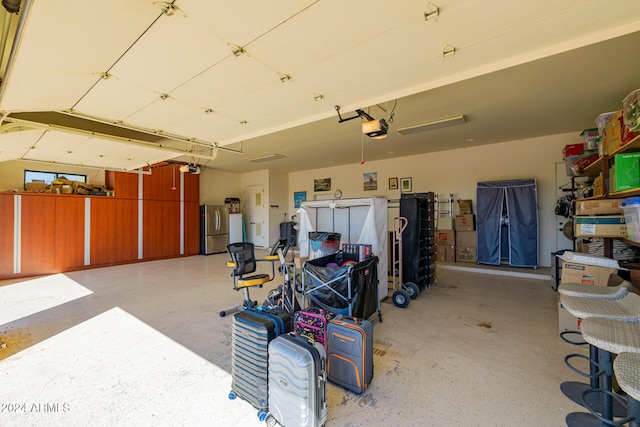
298 198
393 183
405 185
370 181
321 184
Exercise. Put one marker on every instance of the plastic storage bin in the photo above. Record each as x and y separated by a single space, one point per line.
631 110
323 243
589 136
631 207
602 120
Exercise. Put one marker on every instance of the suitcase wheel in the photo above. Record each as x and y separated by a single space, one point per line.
232 395
262 415
271 421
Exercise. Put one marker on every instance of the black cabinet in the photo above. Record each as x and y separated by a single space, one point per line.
418 239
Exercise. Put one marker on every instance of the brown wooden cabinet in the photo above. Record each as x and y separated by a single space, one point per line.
126 230
171 182
191 228
103 230
69 232
6 242
125 185
191 187
152 185
170 229
37 234
152 246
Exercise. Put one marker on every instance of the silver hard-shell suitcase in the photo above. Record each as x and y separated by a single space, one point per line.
297 382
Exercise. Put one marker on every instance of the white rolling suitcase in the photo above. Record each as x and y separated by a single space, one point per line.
297 382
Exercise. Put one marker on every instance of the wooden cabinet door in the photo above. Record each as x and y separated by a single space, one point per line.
152 185
191 228
124 184
103 230
191 187
69 232
152 246
6 242
171 183
126 230
170 229
37 230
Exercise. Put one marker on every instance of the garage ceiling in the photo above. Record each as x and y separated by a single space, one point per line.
126 83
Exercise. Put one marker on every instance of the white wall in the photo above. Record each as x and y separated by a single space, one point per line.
215 186
278 203
457 172
12 173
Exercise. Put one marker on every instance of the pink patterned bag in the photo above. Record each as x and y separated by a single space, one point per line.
312 322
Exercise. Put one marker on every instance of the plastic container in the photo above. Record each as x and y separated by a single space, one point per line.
631 208
631 111
602 120
323 243
589 136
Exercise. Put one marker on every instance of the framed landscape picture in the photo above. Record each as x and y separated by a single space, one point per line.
405 185
321 184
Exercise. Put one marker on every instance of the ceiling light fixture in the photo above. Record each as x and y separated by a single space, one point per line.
434 124
266 158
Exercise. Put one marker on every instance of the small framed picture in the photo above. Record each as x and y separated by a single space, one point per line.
393 183
370 181
298 198
321 184
405 185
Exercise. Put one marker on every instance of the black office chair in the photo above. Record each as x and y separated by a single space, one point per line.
243 263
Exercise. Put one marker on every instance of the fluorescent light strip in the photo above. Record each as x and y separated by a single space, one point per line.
266 158
435 124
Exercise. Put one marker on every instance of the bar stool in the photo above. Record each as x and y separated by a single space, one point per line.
591 291
626 309
573 389
627 369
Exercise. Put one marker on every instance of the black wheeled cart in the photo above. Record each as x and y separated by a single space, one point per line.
338 282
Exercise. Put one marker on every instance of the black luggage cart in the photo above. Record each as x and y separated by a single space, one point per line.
338 282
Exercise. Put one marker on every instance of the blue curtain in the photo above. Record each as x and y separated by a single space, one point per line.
514 203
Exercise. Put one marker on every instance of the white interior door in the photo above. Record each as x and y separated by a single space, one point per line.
562 181
256 213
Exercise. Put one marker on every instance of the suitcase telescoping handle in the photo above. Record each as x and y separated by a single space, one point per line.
355 319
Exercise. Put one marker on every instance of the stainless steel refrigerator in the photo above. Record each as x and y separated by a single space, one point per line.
214 229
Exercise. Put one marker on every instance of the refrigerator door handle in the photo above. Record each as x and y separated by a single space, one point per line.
217 220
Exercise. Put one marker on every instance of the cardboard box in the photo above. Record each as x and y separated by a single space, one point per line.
465 254
465 207
568 322
585 274
66 189
445 223
446 253
626 171
35 185
599 207
446 237
82 189
611 136
465 222
466 238
600 226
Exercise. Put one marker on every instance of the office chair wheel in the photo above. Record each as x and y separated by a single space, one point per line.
223 313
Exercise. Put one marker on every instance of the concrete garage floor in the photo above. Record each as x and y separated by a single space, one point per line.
142 345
